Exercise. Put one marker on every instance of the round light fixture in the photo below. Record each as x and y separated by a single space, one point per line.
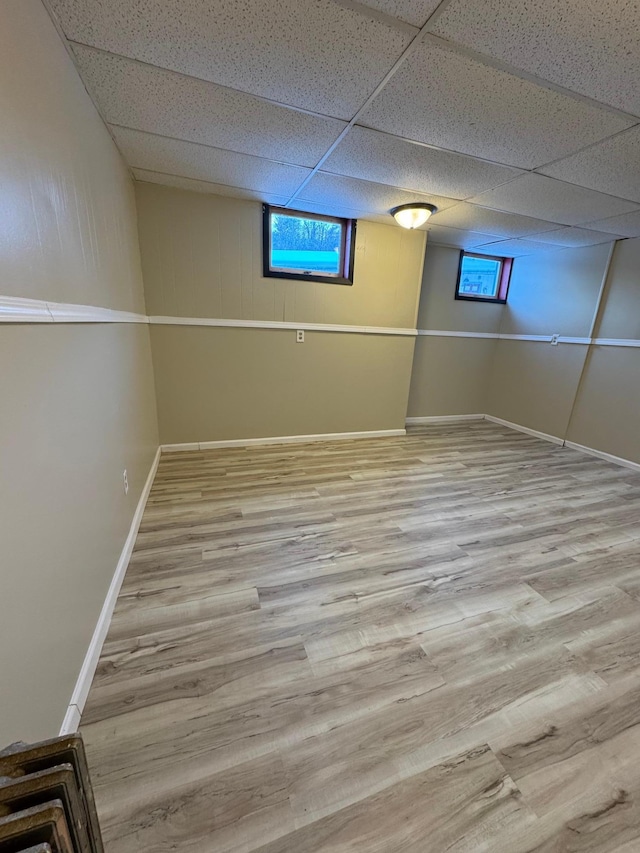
413 215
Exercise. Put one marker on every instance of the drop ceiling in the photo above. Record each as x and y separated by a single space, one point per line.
519 120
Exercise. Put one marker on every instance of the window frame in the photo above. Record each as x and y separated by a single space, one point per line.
347 247
506 267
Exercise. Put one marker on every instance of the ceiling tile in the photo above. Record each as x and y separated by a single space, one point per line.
447 99
414 12
318 56
148 98
205 187
331 209
627 225
610 166
362 195
589 47
455 237
551 200
375 156
515 248
470 217
575 237
188 160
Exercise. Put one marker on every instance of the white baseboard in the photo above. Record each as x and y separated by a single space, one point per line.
71 722
81 690
281 439
554 439
608 457
442 419
83 684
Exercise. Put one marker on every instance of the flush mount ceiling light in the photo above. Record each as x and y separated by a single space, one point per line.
412 215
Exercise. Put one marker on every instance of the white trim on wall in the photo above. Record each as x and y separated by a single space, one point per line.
554 439
615 342
14 309
67 313
608 457
280 439
543 339
443 419
87 671
277 324
567 340
446 333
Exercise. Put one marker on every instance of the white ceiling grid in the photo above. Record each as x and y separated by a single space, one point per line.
204 163
364 195
519 120
449 100
415 12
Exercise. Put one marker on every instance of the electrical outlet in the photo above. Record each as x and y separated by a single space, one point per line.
300 336
126 482
554 340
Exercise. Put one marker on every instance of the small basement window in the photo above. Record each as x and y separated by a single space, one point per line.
307 246
484 278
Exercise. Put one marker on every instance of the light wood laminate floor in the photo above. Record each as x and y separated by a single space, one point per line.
419 644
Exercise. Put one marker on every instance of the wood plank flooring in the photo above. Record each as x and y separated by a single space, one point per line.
419 644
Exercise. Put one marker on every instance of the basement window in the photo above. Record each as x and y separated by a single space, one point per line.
483 278
307 246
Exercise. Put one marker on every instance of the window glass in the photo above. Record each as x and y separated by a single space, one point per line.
483 277
307 246
480 276
299 244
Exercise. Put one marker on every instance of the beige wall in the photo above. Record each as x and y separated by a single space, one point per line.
450 374
78 405
607 411
620 315
439 309
217 383
587 394
534 384
531 383
556 292
67 207
202 257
